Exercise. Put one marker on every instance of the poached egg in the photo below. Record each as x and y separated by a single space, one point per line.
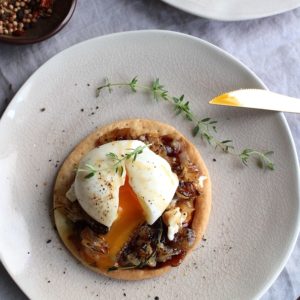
149 175
122 201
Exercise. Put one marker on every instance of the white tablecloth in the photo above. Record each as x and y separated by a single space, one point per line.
269 46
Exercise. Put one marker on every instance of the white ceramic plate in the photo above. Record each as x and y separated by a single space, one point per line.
255 215
234 10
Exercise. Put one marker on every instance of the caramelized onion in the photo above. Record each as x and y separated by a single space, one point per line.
165 252
187 190
93 242
184 239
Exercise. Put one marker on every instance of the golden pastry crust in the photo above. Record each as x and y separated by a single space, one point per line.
66 176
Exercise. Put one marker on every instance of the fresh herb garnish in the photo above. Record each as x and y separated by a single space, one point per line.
263 159
205 128
129 155
90 169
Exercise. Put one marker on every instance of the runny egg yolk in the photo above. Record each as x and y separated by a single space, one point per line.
130 215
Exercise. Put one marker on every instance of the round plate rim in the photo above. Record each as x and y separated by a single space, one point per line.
193 9
234 60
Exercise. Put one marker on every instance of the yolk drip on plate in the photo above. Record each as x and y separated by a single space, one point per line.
130 215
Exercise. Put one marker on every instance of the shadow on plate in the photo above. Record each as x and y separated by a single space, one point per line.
9 289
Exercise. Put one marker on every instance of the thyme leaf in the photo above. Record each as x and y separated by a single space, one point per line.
263 162
92 170
115 268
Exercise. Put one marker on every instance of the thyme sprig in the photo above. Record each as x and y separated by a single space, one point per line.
263 158
129 155
132 154
205 128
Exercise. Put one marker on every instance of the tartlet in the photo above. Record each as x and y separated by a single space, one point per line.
148 253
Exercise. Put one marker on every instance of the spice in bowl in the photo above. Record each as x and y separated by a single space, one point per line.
16 16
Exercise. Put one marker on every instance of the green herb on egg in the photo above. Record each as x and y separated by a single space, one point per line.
92 170
129 155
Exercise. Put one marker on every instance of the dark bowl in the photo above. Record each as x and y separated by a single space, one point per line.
47 27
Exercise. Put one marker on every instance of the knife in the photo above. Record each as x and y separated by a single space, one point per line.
258 99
